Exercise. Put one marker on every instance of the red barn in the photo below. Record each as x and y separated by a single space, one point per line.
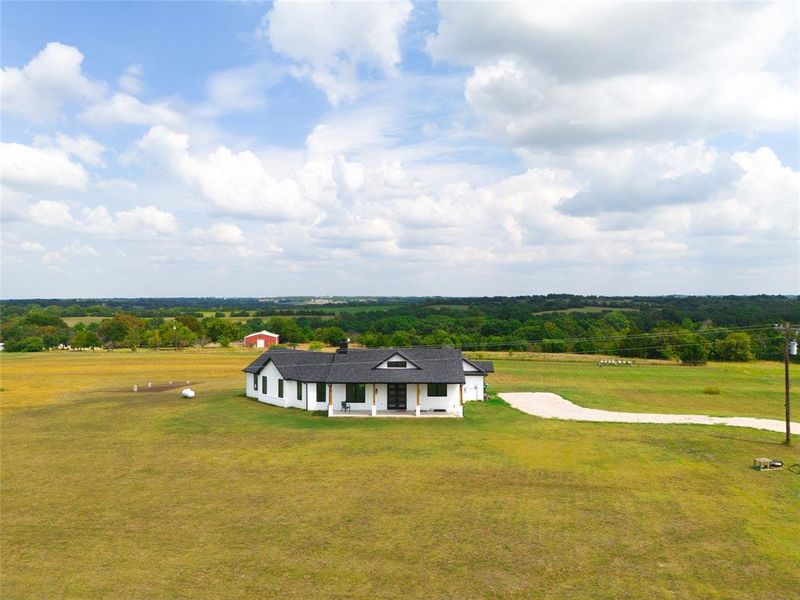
261 339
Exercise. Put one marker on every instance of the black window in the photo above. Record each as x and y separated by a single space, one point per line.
264 384
320 392
396 364
280 388
437 389
255 381
356 392
299 390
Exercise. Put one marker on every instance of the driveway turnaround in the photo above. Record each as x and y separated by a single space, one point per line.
553 406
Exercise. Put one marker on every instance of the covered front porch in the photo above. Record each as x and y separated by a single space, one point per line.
395 400
392 413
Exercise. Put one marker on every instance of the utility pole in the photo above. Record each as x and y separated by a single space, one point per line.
786 328
787 384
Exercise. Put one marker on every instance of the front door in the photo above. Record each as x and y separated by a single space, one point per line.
396 396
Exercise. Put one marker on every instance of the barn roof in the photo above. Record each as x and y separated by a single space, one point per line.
264 332
434 365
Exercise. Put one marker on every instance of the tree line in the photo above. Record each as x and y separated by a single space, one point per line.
691 329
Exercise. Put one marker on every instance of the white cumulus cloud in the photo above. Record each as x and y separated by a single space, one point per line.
332 41
82 147
131 80
29 167
135 223
52 78
33 247
552 77
221 233
235 182
127 109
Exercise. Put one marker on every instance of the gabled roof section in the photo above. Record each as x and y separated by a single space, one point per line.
357 365
257 364
395 356
263 332
486 366
294 364
434 365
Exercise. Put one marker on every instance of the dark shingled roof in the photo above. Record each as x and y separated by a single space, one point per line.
486 366
295 364
434 365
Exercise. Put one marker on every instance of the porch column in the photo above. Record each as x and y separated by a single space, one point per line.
374 405
417 411
460 399
330 399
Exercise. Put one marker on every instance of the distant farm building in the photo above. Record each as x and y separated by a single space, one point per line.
261 339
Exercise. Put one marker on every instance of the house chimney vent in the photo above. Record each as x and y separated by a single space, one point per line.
343 346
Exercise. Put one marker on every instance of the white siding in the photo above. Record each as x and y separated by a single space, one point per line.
311 389
340 394
449 403
248 385
270 395
290 393
473 388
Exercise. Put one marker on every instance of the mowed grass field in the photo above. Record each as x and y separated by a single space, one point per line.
110 493
753 389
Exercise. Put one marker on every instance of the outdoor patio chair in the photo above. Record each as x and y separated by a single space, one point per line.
345 406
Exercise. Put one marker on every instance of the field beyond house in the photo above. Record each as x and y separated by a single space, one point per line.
111 493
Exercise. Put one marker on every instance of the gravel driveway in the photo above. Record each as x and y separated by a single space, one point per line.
553 406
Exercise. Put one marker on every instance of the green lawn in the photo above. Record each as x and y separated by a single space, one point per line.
750 389
114 494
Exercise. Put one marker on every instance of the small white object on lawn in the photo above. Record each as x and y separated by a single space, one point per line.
188 393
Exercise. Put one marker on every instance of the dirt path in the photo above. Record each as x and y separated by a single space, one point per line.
553 406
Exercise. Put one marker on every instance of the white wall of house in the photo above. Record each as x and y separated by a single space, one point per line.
467 367
473 387
248 385
340 395
290 394
449 403
311 389
270 395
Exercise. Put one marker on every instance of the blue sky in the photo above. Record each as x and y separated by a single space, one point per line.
389 148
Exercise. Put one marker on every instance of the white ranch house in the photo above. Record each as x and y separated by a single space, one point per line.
368 382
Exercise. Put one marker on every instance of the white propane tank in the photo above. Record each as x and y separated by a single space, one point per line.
188 393
793 347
